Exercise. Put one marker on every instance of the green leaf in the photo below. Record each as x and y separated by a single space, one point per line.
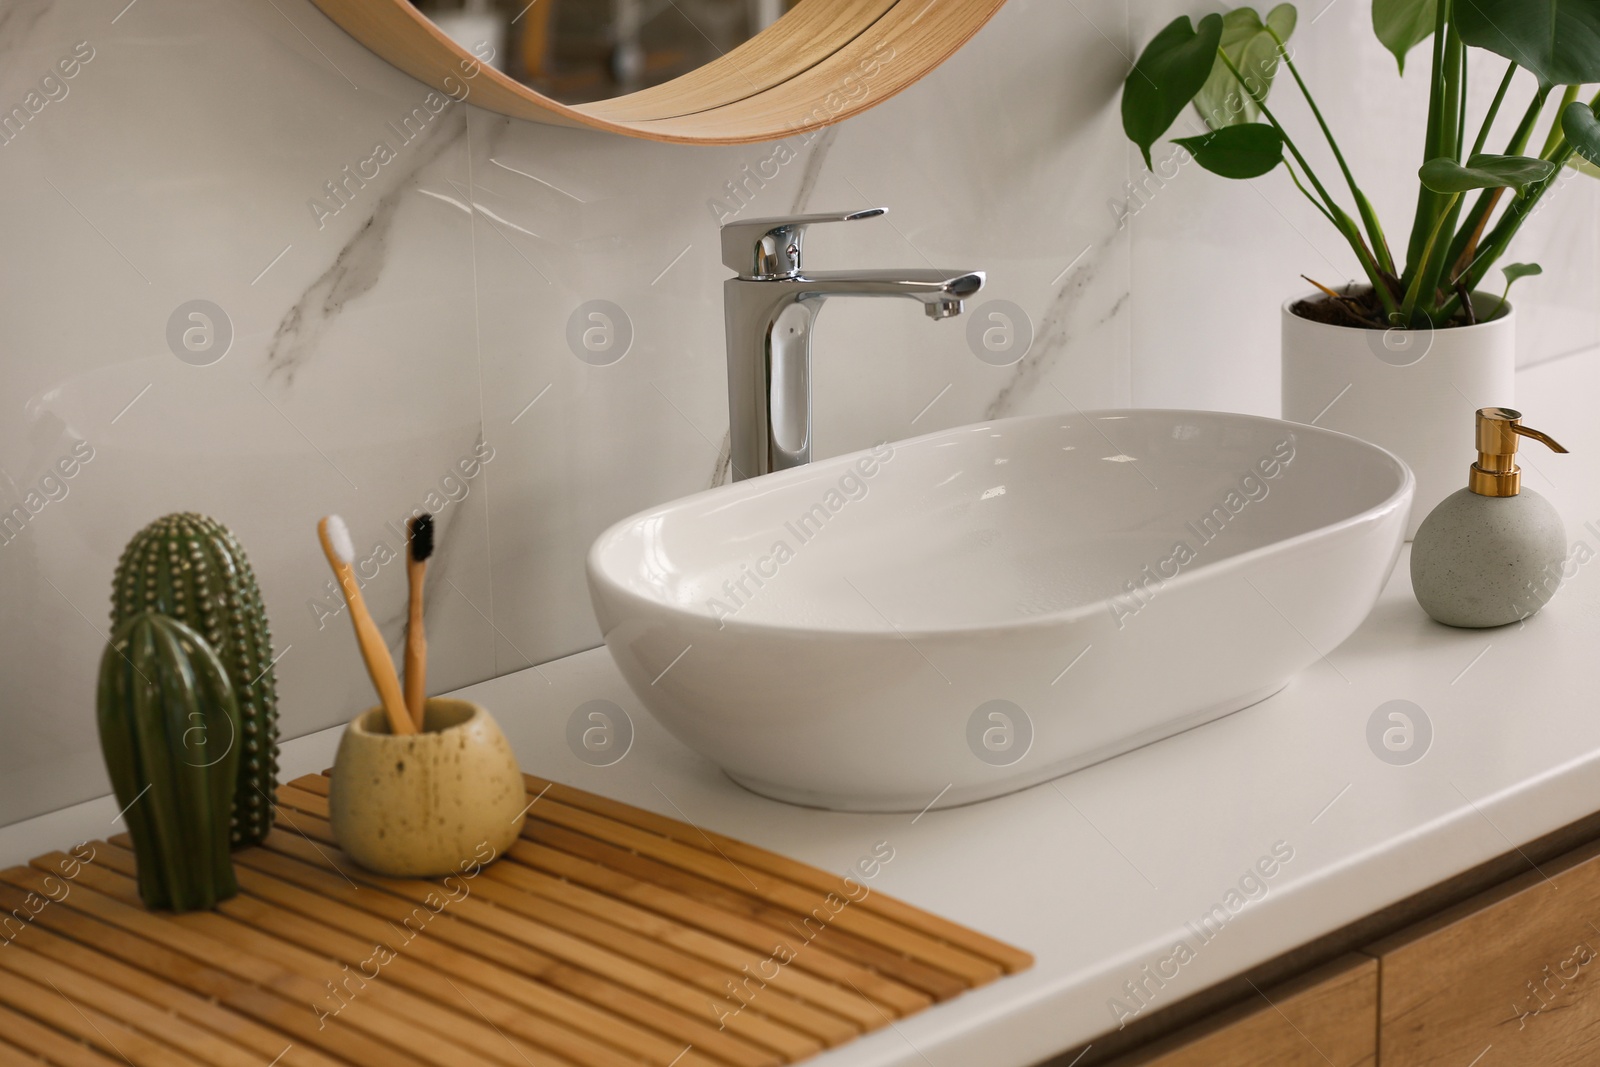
1513 271
1582 130
1403 24
1222 101
1246 151
1485 171
1558 40
1583 166
1170 71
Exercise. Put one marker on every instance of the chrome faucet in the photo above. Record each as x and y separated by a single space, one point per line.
771 308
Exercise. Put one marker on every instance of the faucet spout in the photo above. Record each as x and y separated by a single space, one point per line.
943 293
929 286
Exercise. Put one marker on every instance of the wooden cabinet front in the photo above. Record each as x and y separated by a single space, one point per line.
1327 1017
1505 978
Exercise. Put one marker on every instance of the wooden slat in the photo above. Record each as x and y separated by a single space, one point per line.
306 798
93 920
562 959
606 937
310 809
13 1056
309 946
74 920
1008 958
87 1023
565 1024
136 1013
298 990
378 1007
558 944
47 940
727 954
557 941
775 1004
41 1040
939 984
772 889
696 1027
669 843
779 1022
573 1026
242 924
881 991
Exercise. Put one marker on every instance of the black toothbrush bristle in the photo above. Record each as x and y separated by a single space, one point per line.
422 537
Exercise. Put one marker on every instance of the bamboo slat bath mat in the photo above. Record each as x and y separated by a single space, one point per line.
607 936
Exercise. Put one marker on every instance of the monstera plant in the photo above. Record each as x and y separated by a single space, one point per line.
1403 355
1476 188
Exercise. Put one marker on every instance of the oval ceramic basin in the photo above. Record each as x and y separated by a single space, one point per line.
960 615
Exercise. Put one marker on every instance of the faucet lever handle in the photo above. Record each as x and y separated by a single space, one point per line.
770 248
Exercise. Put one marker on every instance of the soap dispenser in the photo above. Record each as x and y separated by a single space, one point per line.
1491 553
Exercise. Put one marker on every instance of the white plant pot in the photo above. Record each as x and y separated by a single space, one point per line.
1413 392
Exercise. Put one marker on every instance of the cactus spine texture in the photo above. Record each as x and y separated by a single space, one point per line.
191 568
169 729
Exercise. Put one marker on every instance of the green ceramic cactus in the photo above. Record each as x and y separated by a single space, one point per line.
169 729
191 568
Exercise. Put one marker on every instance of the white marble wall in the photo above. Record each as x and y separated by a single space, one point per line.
377 348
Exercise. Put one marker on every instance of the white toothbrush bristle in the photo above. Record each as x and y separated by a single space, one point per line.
339 538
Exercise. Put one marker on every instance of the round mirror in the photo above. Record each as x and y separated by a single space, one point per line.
580 51
698 71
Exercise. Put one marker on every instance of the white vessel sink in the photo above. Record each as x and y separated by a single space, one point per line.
963 614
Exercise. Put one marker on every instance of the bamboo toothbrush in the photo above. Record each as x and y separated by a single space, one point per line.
341 552
421 547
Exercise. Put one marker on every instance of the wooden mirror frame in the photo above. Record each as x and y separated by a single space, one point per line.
822 62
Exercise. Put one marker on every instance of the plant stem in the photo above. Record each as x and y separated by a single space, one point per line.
1341 221
1414 291
1504 296
1553 138
1494 110
1287 140
1530 118
1521 209
1465 245
1369 218
1515 215
1431 267
1465 242
1308 193
1428 201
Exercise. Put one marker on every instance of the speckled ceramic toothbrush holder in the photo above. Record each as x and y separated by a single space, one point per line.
427 804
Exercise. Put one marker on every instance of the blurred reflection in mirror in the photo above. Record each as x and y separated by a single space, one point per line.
577 51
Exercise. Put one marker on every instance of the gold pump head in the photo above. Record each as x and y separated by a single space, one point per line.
1496 473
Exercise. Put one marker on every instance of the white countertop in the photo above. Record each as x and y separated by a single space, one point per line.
1103 871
